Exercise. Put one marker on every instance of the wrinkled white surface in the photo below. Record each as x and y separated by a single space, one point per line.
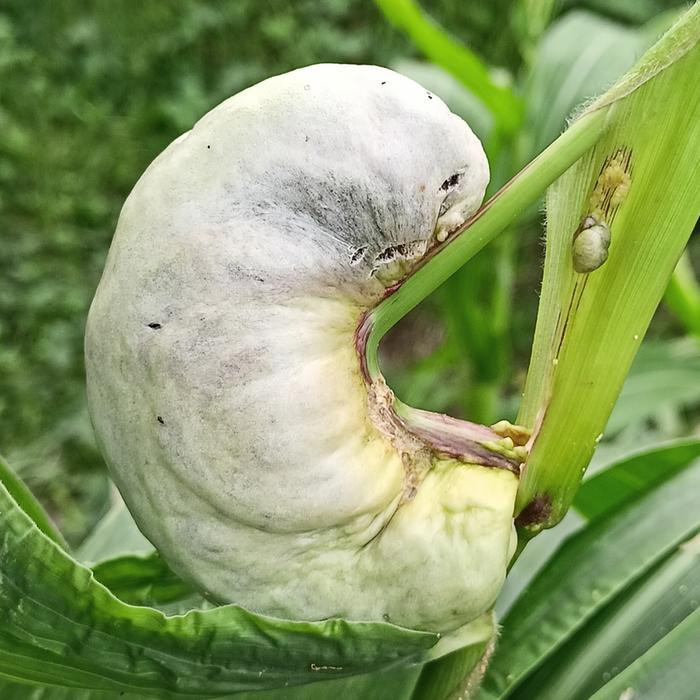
253 240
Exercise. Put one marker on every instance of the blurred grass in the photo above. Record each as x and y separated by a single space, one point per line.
91 92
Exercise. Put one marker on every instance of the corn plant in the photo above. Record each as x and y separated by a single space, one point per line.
614 611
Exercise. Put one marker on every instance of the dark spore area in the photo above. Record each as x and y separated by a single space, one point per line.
392 252
450 182
535 512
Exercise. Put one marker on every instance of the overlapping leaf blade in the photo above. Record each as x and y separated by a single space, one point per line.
25 499
590 325
588 572
60 626
623 631
633 474
665 376
668 670
142 580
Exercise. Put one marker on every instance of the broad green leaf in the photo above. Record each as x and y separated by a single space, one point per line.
145 580
632 475
668 670
587 573
623 631
60 626
642 181
401 683
397 684
664 376
26 501
19 691
580 56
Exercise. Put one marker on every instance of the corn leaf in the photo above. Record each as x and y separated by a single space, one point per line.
590 570
623 631
62 627
633 475
642 181
26 501
141 580
580 55
668 670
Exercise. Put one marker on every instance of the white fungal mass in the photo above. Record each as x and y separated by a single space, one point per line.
223 379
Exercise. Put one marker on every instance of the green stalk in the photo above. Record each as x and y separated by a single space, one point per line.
643 181
516 196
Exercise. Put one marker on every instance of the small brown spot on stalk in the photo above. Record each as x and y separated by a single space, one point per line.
536 511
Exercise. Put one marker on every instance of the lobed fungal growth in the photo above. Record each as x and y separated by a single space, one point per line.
224 381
